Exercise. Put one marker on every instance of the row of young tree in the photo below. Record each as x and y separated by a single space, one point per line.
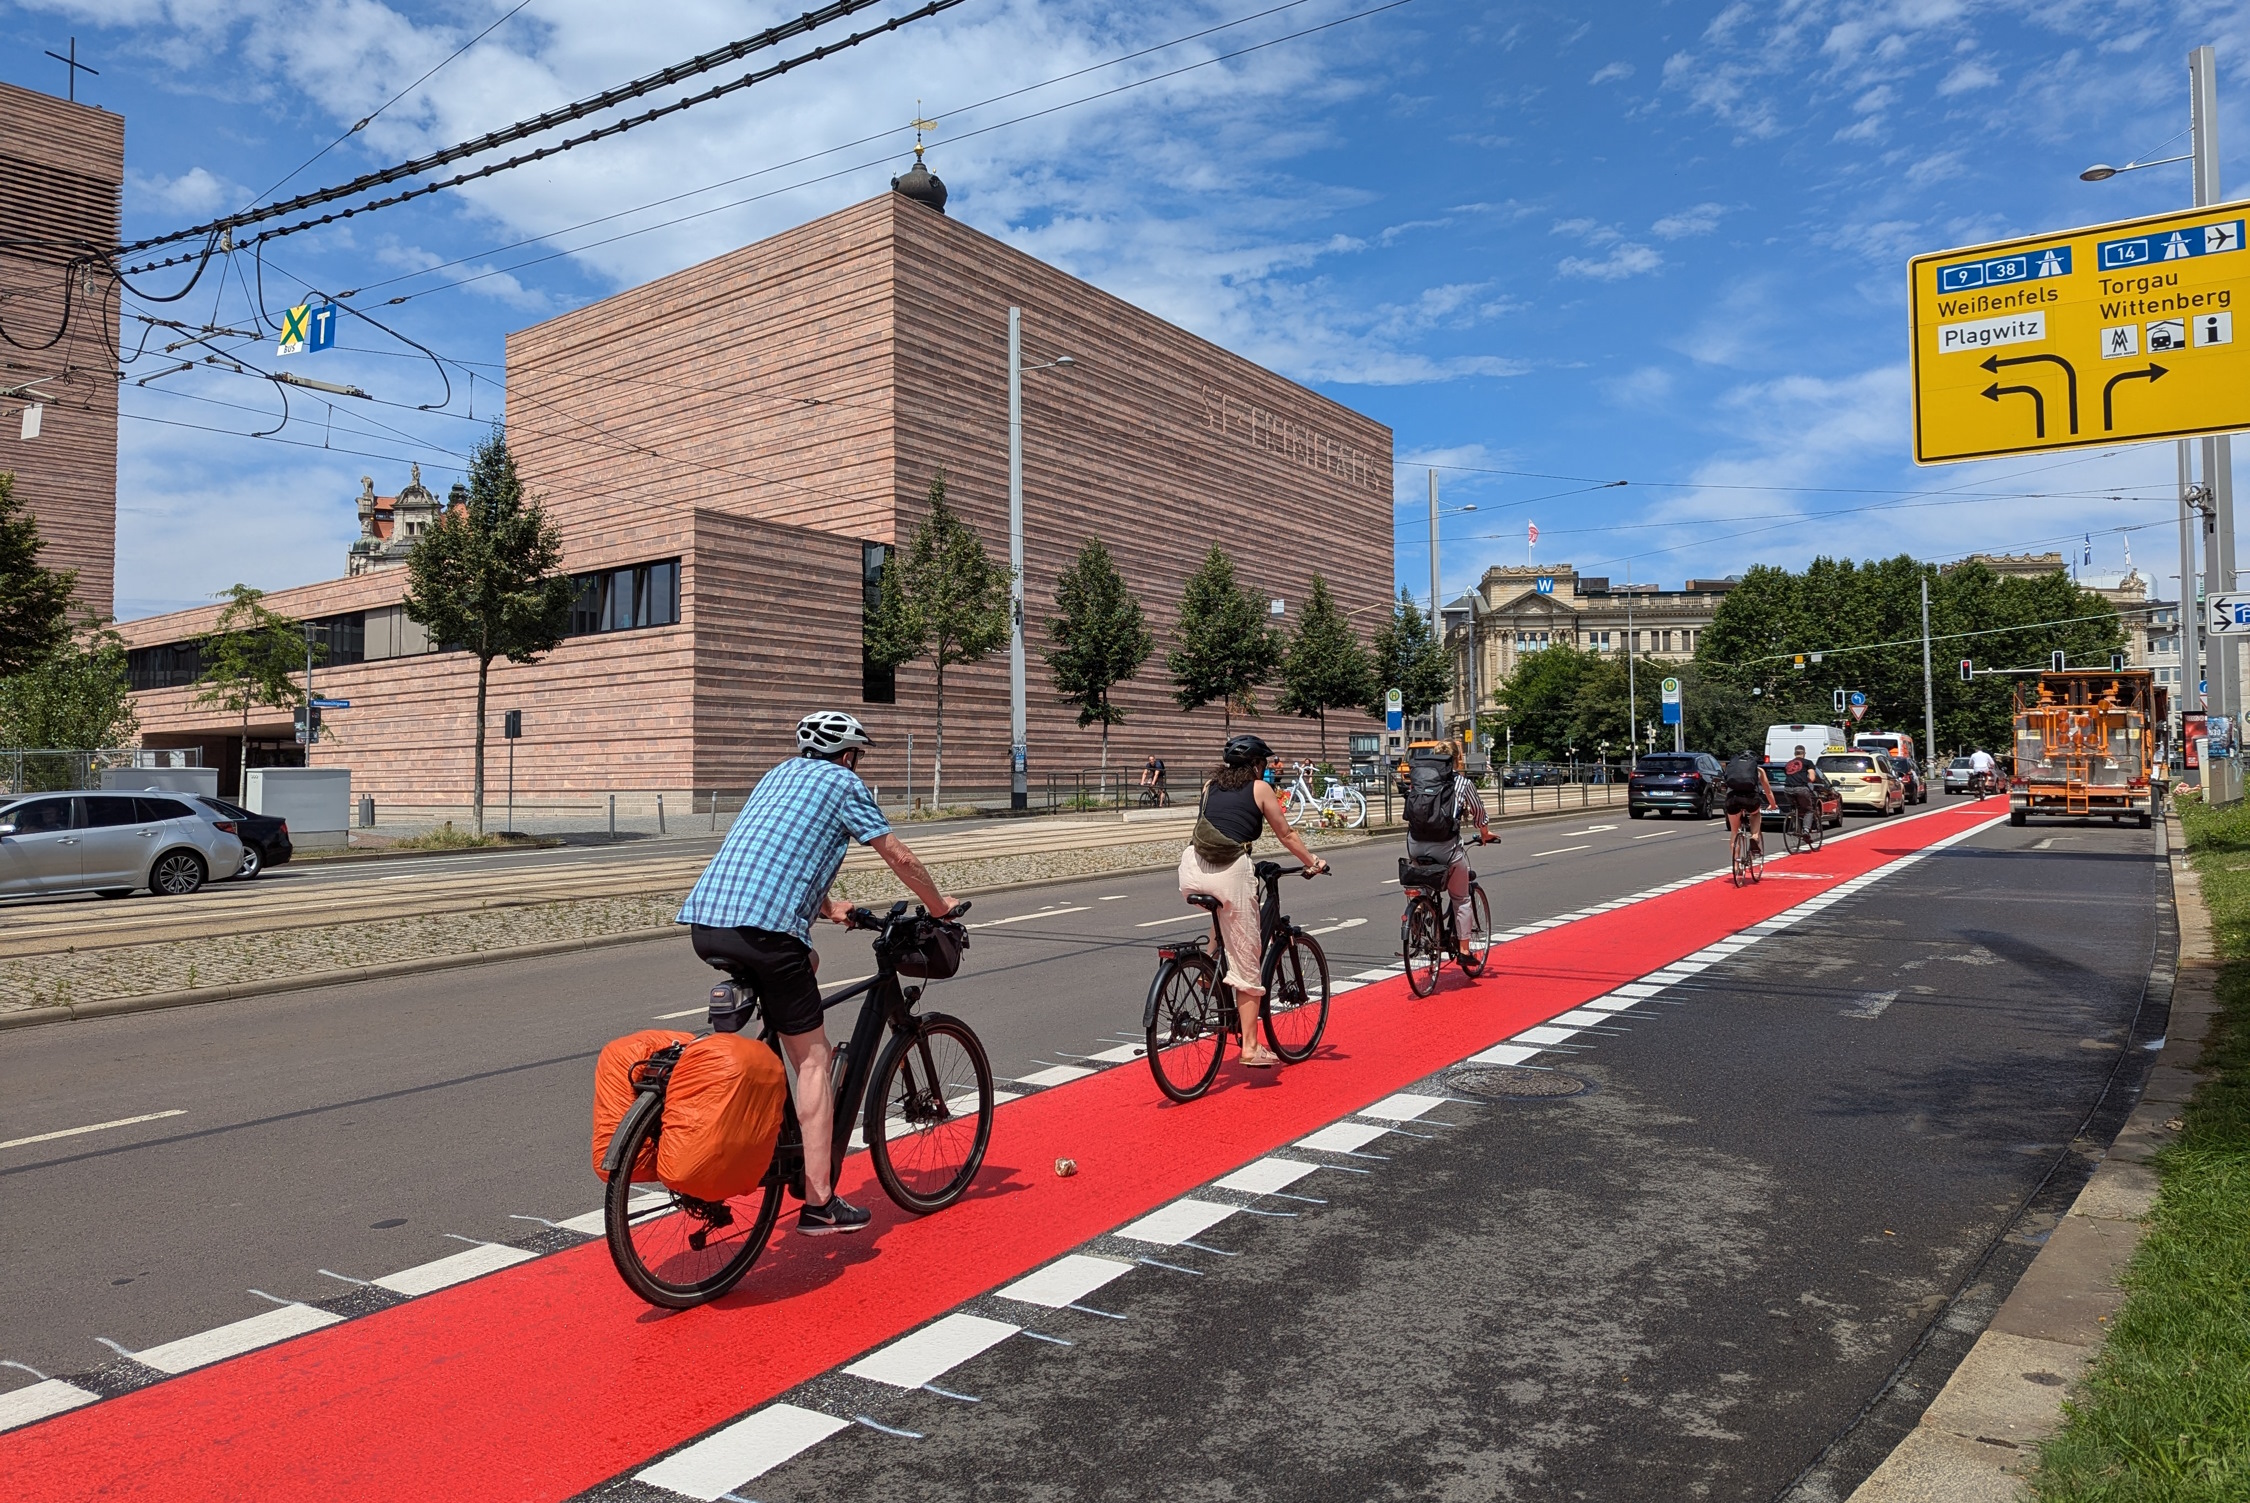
1864 620
946 602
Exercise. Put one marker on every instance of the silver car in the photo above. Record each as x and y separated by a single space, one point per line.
110 843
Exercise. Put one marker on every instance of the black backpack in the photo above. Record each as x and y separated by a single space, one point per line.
1430 812
1742 771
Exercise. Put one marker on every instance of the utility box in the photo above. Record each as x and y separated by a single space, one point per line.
317 802
203 780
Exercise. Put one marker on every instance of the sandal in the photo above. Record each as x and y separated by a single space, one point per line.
1264 1060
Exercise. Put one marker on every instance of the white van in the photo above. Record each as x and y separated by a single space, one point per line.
1782 740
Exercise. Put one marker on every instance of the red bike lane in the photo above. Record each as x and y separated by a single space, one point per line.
542 1380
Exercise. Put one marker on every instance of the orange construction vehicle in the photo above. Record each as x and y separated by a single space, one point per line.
2084 745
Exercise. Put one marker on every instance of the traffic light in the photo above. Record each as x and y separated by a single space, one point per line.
2057 660
1968 671
1839 704
308 724
2117 662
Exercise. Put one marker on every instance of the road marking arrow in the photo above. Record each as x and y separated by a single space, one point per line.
2152 375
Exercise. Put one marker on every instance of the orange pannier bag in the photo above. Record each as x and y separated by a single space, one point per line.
614 1093
722 1115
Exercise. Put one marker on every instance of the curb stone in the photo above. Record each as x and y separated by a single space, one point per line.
1979 1438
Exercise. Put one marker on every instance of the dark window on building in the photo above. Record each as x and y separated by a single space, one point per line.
168 667
344 636
623 599
877 685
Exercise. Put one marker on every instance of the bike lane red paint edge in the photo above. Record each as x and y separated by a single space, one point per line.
543 1380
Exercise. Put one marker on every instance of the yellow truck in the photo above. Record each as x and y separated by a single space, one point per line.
2085 739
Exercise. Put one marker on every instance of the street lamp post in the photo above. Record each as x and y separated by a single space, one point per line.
2215 497
1019 751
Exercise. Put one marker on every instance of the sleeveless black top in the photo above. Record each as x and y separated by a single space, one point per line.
1234 812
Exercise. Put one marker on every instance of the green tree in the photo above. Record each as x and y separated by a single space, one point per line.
1100 639
1224 648
944 600
1326 667
1409 658
488 576
76 698
34 601
248 661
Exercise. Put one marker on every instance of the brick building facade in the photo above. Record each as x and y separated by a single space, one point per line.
62 169
727 449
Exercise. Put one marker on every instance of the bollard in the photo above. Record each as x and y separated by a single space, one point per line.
714 811
613 816
367 811
660 814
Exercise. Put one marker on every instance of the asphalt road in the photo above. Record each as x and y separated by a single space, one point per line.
1682 1283
363 1128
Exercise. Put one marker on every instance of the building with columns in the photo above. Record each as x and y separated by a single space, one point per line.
1516 610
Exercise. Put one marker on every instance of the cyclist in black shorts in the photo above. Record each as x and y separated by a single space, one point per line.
1796 781
1748 793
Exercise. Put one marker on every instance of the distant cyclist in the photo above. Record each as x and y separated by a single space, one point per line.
1152 778
1748 793
1796 781
753 907
1239 805
1438 798
1981 768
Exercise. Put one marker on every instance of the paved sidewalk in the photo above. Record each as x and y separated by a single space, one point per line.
1979 1439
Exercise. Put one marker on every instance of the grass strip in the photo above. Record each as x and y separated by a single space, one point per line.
2164 1414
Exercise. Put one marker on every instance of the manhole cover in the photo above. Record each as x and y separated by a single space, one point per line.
1517 1084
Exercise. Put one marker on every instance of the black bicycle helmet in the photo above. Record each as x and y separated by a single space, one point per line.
1245 749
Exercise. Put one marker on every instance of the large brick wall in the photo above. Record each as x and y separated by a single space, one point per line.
61 170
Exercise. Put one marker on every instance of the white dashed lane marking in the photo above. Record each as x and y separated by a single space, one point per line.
1171 1225
743 1451
48 1396
444 1273
933 1351
1065 1281
72 1132
206 1347
1019 918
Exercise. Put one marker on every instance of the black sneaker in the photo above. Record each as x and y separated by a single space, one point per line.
839 1215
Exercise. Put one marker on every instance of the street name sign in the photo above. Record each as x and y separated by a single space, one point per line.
2113 334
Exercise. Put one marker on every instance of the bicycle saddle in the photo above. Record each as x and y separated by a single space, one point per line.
1205 900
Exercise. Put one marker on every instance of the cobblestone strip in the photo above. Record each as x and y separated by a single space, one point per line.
81 976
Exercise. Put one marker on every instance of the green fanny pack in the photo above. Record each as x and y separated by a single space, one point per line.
1215 848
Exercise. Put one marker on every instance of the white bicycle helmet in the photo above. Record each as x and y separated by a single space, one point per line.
824 733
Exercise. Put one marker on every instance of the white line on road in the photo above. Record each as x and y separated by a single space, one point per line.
1065 1282
1019 918
742 1452
1655 834
932 1352
205 1347
1351 923
72 1132
48 1396
1562 851
1185 918
1115 897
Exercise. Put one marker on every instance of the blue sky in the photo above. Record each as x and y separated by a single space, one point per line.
1552 246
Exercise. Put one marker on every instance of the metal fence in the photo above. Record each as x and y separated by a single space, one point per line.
37 770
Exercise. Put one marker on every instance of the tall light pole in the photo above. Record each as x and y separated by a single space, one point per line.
1019 751
1929 700
2221 780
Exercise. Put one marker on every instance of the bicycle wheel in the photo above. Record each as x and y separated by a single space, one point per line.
671 1250
1421 944
1355 808
1480 931
929 1113
1186 1022
1294 807
1792 833
1739 855
1816 830
1295 1007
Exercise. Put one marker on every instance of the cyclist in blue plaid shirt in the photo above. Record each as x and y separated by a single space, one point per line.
753 908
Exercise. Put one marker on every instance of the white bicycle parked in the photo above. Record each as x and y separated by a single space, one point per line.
1338 806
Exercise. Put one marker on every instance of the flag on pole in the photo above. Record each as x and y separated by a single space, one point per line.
2089 559
1534 529
2128 542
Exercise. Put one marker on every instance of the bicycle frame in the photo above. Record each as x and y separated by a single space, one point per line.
1274 929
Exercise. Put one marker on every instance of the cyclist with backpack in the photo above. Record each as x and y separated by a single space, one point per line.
1748 793
1238 804
1438 797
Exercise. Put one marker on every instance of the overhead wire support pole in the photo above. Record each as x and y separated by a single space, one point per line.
1019 788
2222 779
1929 697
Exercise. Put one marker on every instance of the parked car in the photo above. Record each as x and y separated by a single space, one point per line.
264 837
1826 798
1917 790
111 843
1957 775
1865 780
1675 782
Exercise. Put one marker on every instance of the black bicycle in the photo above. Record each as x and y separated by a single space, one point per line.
1801 827
1428 930
927 1119
1190 1011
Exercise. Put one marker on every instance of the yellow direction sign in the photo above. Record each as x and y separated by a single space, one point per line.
2107 335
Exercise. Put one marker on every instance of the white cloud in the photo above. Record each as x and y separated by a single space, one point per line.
1627 260
1966 77
194 192
1700 220
1611 72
